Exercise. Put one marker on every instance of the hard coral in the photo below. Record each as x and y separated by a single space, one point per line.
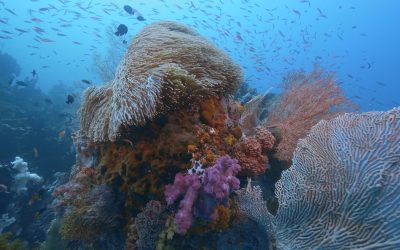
168 66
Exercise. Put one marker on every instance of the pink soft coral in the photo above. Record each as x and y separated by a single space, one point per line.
215 187
189 185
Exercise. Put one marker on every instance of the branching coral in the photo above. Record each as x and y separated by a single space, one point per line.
188 185
342 189
307 99
168 66
202 195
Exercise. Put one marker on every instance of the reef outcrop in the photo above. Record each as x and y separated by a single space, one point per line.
168 67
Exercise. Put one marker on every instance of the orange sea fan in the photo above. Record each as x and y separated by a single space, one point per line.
307 99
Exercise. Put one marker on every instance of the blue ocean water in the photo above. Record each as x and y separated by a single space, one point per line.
51 51
357 39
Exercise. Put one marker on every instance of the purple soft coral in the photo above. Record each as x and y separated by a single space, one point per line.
190 185
220 179
217 183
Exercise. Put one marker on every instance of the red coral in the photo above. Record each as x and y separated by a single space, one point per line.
307 99
266 139
249 154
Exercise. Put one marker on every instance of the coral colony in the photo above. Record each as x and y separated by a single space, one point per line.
23 176
163 148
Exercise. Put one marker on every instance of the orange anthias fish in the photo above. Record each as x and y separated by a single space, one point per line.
61 134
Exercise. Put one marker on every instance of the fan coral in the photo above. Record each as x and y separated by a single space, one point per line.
307 99
342 189
168 66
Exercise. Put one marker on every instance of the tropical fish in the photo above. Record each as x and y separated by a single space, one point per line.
121 30
86 81
140 18
129 9
70 99
61 134
10 11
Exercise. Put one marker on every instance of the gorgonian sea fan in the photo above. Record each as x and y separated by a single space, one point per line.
342 191
307 99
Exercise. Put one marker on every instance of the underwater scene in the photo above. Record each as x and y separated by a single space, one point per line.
199 124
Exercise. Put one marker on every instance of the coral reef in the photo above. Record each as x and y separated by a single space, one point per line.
23 177
307 99
342 189
167 67
93 213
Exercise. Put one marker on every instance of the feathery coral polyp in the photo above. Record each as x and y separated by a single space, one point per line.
167 67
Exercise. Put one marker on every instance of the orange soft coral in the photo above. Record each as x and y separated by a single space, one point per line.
213 113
